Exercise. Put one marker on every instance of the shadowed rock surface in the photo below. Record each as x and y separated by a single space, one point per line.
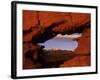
54 58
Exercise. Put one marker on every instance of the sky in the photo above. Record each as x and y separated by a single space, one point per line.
63 42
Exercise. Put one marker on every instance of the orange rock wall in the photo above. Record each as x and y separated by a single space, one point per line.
73 20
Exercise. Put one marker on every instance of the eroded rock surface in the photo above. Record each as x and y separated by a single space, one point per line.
36 24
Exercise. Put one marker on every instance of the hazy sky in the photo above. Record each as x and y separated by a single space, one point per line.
62 42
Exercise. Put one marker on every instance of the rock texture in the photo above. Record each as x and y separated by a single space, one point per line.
36 23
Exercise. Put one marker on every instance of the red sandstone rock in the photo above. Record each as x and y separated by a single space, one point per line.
72 21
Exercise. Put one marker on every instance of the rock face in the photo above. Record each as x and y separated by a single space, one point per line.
82 51
54 58
41 26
